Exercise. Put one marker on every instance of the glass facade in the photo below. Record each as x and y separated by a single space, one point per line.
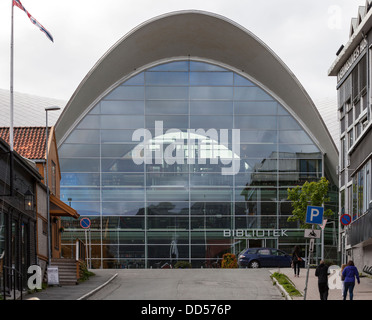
184 161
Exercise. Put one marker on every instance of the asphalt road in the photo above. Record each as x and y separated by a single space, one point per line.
190 284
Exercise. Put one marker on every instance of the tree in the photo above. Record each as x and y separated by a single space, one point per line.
310 194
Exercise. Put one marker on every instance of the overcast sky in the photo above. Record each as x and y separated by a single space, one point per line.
304 34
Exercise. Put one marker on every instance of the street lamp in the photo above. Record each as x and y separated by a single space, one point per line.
47 176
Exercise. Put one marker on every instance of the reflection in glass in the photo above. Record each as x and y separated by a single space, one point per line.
168 208
149 213
255 122
256 107
167 78
122 107
123 208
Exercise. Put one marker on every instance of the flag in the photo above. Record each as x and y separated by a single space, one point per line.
33 20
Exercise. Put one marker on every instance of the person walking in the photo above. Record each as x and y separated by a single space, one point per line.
348 275
322 273
296 260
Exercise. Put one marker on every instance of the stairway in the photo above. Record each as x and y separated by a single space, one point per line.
66 271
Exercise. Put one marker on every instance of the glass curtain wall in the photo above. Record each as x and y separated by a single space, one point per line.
176 159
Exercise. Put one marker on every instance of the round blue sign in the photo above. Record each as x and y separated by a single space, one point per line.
345 219
85 223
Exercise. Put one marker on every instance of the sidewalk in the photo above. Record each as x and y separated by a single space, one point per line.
102 277
362 291
80 291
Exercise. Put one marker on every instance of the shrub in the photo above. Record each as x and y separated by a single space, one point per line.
229 261
287 284
182 265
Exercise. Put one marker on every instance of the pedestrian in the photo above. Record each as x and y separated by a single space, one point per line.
322 273
296 260
342 281
348 275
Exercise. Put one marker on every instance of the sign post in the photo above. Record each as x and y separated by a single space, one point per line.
85 224
314 215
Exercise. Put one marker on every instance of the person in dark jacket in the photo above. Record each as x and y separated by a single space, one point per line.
296 260
349 274
322 273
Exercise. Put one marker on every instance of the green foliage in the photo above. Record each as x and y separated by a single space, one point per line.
85 274
182 265
229 261
310 194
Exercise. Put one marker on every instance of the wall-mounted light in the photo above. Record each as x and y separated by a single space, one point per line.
29 200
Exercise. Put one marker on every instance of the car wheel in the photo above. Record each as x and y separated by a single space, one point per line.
254 264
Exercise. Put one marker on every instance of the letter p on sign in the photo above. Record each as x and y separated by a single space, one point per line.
314 215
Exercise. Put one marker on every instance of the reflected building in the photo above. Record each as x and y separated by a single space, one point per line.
178 138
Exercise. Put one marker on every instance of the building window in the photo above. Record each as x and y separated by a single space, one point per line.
367 190
350 199
342 119
361 191
56 235
362 68
358 129
45 227
361 204
359 79
355 199
355 85
343 153
350 117
350 138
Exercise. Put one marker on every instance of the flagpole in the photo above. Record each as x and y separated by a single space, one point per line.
11 105
11 81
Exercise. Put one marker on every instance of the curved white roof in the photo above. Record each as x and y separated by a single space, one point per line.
28 110
202 36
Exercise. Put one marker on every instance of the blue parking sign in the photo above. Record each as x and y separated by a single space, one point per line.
314 215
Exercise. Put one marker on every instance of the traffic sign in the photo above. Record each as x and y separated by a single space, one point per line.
345 219
314 215
322 226
85 223
312 234
311 246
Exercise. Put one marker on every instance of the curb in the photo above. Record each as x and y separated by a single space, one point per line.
282 290
86 296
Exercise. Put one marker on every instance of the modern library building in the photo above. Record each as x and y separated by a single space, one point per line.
180 145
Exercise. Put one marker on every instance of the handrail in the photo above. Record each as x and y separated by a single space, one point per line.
12 282
80 253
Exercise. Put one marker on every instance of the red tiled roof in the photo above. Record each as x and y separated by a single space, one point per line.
29 142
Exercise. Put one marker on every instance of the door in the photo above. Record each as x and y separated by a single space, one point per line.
255 243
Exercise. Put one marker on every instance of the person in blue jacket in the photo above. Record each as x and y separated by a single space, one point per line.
349 274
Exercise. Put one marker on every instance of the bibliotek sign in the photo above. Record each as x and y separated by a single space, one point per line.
254 233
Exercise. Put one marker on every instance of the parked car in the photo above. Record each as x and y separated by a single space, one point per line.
264 257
